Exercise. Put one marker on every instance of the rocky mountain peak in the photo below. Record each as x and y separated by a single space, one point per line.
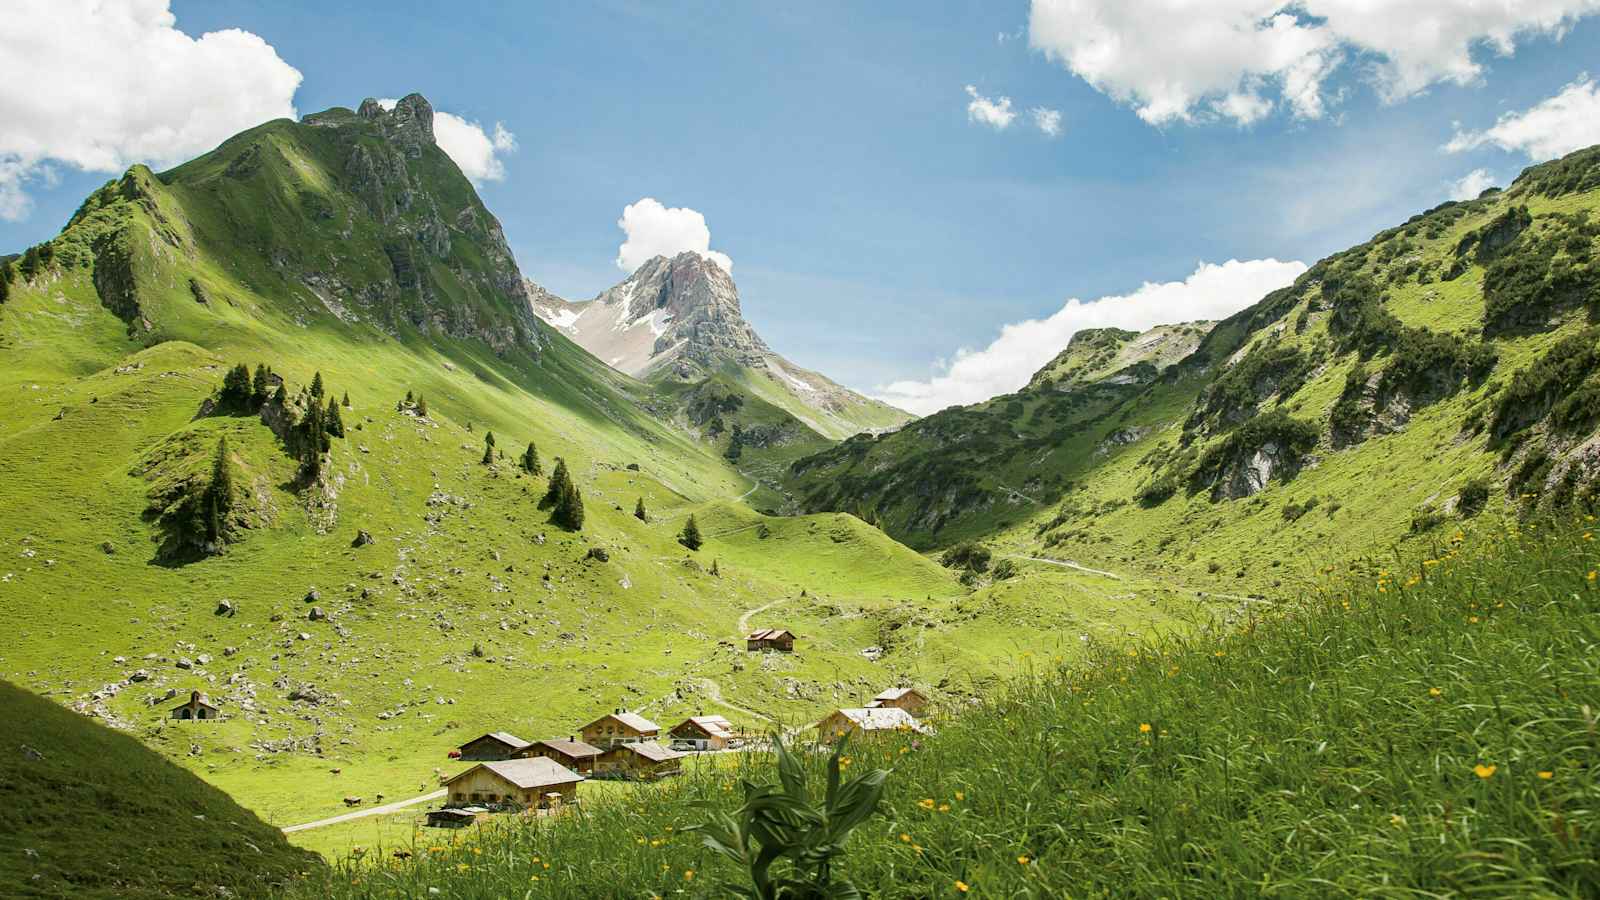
409 124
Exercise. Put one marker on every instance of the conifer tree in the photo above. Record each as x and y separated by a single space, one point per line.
691 534
313 438
346 402
235 395
559 482
639 512
716 571
334 423
422 406
217 502
530 460
488 447
316 385
282 396
569 509
409 398
258 387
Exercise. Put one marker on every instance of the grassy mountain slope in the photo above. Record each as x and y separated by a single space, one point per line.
346 669
88 812
1405 732
1339 415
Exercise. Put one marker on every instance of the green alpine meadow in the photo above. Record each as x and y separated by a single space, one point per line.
370 528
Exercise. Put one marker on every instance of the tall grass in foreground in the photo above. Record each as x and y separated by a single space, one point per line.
1424 732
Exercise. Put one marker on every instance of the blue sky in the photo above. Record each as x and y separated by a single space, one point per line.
875 227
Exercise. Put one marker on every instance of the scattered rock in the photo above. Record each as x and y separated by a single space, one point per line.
313 595
108 548
599 553
362 539
184 662
226 608
316 614
31 755
138 676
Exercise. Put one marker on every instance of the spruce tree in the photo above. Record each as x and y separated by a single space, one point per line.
716 570
569 509
422 406
559 482
530 460
346 401
638 511
409 398
282 396
316 385
334 423
488 447
258 387
217 501
691 534
235 395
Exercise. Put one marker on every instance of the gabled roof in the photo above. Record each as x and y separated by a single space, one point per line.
196 697
769 634
649 750
571 749
504 737
896 694
533 772
632 720
881 718
716 726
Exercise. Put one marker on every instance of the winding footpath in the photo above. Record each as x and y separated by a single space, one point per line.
362 813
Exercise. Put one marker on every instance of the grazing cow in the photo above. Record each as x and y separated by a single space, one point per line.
352 801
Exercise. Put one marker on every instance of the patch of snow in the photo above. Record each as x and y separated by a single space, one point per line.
560 318
794 382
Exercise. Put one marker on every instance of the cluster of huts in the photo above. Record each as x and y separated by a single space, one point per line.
544 775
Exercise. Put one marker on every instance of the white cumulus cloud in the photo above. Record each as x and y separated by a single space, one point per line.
474 151
99 86
654 229
1181 61
1046 120
1470 185
995 113
1211 292
1553 127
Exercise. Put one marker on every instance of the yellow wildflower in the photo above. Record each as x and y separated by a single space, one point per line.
1023 860
1547 775
1144 728
961 886
1484 771
1435 692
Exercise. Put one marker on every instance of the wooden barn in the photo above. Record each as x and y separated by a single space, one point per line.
702 733
535 783
868 721
780 639
619 727
909 699
572 753
643 761
494 745
197 707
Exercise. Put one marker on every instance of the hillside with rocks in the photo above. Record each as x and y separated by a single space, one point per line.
1445 366
284 429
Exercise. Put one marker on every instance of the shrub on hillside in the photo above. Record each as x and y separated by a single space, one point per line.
967 556
1293 438
1472 497
1535 390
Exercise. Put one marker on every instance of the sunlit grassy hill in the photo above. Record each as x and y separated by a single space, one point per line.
1445 366
1415 729
347 247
